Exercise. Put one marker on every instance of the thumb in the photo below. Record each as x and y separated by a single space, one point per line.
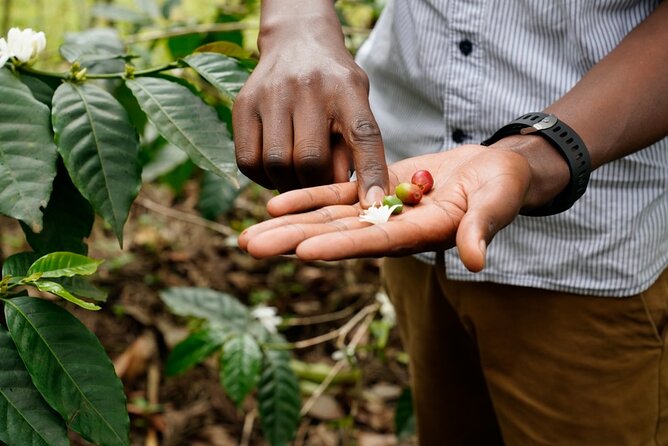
483 219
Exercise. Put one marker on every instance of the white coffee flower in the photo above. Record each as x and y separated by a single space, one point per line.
4 53
347 353
25 45
386 308
377 214
267 317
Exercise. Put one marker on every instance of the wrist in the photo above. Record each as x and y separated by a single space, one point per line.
569 146
549 171
285 20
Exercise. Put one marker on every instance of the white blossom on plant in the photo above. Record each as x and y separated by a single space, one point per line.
267 317
377 214
23 46
386 308
4 53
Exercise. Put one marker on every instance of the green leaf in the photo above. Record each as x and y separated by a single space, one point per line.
137 116
27 153
224 73
177 178
70 369
167 7
193 350
87 46
229 49
40 89
218 308
68 220
99 147
278 398
186 121
86 53
217 195
166 159
240 366
59 290
18 264
64 264
118 14
149 7
404 417
82 287
181 46
27 420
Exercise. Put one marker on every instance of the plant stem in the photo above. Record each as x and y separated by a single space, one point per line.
148 71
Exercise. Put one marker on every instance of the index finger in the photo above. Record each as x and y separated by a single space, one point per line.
362 134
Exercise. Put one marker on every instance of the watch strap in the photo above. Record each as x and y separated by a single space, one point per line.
570 147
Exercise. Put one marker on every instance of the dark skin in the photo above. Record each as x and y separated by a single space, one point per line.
303 115
620 106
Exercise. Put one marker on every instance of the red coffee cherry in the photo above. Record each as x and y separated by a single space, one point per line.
423 180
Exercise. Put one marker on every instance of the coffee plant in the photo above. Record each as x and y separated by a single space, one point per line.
70 148
79 142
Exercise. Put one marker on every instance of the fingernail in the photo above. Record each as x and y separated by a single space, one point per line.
374 195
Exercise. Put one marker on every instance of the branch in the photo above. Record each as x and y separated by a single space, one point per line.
359 334
212 28
183 216
339 333
319 318
68 75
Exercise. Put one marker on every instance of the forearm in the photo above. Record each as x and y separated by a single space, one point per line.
620 106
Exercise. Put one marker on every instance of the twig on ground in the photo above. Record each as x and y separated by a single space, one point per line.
184 216
153 397
357 338
339 333
249 421
320 318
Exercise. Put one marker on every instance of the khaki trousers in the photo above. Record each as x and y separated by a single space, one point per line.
493 364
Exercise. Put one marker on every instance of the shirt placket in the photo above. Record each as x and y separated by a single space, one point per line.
463 77
462 87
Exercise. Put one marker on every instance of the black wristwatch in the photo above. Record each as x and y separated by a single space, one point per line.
570 146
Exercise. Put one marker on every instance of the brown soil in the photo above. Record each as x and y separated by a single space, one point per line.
138 332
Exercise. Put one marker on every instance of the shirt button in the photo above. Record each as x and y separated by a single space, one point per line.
458 136
465 46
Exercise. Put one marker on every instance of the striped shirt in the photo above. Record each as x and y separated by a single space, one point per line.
445 73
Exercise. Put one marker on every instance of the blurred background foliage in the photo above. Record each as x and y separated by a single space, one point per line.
165 27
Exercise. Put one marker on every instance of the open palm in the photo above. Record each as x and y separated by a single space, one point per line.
477 191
